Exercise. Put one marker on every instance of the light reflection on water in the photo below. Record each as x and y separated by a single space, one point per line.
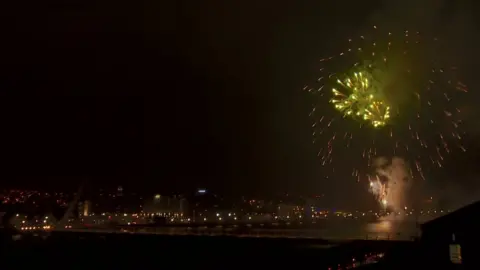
382 229
391 228
381 226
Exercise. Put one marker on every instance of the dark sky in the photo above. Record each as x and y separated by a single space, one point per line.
169 95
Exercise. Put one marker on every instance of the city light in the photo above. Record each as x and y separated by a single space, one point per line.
174 210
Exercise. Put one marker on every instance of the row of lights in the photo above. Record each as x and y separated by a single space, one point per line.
47 227
143 214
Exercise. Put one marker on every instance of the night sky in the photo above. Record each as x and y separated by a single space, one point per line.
175 95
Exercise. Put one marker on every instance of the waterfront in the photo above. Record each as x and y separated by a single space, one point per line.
331 230
325 244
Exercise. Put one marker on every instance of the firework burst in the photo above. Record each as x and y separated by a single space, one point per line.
391 96
362 100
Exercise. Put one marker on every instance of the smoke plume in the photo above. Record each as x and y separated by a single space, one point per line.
391 182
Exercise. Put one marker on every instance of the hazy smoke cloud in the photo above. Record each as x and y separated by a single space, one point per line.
395 178
454 25
452 22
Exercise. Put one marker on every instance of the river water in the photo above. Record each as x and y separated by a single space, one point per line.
327 229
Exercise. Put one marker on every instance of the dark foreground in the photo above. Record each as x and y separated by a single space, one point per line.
66 250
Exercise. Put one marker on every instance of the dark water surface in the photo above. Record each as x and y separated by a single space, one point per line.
64 250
